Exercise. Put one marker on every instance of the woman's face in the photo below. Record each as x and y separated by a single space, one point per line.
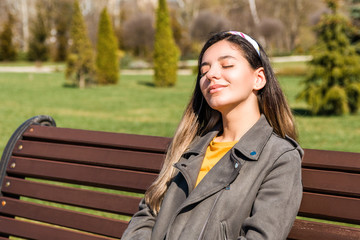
227 79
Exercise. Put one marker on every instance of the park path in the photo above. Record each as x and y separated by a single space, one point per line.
29 69
51 69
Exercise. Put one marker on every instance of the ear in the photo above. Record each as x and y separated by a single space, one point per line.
260 79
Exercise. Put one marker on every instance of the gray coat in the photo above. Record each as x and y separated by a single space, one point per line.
253 192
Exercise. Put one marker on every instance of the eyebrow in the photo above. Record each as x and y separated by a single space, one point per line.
219 59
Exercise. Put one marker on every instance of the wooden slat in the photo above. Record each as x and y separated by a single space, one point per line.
81 174
306 230
122 140
343 209
324 172
31 230
114 203
62 217
339 183
90 155
346 161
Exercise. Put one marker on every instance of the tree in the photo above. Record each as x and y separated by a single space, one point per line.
62 24
138 35
7 47
256 19
107 62
166 53
201 30
333 86
80 63
355 18
355 12
38 48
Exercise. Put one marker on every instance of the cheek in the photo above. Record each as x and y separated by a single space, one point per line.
203 85
242 79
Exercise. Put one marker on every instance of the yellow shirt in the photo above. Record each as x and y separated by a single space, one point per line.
214 152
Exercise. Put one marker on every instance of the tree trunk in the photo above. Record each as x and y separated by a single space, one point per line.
25 24
256 20
253 11
82 81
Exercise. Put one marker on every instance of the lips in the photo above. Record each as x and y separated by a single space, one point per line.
216 88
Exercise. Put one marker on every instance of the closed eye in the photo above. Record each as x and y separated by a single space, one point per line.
203 74
204 69
227 66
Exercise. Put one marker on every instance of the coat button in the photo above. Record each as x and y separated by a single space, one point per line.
236 165
253 153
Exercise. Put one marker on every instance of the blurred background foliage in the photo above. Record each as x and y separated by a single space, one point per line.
282 27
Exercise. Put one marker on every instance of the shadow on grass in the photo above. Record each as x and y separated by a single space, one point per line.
70 85
147 84
301 112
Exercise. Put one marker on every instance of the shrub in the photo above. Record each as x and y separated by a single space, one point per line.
80 63
7 48
353 95
335 69
335 101
107 62
38 48
166 53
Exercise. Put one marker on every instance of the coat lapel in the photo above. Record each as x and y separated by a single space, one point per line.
226 170
190 163
219 177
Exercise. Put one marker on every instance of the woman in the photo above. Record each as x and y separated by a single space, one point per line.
233 170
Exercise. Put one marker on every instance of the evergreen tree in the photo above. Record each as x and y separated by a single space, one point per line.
62 25
107 62
80 63
355 18
333 85
7 47
38 48
166 53
355 12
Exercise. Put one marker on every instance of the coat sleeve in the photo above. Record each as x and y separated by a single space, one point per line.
277 202
141 224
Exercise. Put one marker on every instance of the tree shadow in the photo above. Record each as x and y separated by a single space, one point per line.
147 84
70 85
301 112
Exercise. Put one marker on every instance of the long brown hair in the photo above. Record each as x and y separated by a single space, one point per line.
199 117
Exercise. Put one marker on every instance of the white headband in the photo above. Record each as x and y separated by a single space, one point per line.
248 38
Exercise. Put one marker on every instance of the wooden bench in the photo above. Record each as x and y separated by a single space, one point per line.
60 183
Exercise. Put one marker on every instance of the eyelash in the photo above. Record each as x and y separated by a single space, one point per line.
227 66
203 74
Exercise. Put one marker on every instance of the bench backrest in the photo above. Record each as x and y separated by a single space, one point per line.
73 179
331 181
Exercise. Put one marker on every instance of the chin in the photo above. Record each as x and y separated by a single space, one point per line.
217 106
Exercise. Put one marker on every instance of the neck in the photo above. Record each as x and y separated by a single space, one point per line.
237 122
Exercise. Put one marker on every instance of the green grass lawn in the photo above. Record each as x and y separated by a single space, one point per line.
135 106
132 106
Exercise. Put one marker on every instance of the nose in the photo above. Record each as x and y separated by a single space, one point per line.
213 73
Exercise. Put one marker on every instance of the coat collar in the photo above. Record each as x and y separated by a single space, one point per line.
254 140
248 148
250 145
